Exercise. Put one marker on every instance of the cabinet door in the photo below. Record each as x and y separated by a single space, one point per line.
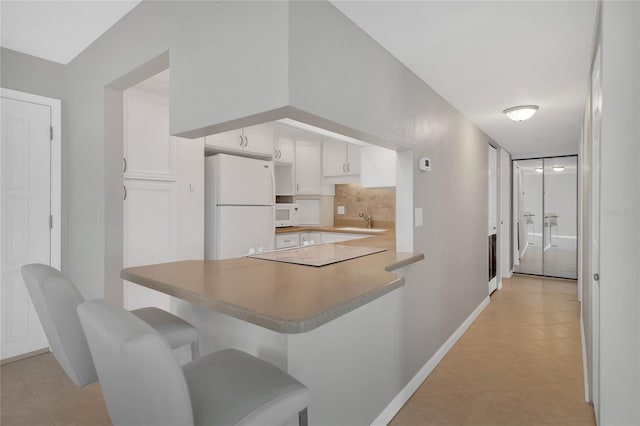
285 151
259 140
227 141
287 240
353 159
334 158
148 149
308 167
149 236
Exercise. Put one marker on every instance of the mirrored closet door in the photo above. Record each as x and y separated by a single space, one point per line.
545 207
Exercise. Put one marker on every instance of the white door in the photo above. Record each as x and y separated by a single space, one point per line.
25 217
241 181
596 116
493 219
243 229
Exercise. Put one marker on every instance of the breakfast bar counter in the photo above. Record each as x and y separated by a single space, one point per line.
339 328
282 297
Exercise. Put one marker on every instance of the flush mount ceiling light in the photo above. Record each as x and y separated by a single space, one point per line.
558 169
539 169
521 113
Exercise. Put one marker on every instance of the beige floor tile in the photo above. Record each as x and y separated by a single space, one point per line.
519 364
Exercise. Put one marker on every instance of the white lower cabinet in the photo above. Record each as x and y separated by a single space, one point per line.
288 240
309 238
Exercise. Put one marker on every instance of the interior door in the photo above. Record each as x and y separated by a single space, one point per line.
593 279
25 230
493 217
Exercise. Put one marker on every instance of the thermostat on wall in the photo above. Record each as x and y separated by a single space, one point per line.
425 164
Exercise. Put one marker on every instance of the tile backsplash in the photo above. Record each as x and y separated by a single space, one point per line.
379 203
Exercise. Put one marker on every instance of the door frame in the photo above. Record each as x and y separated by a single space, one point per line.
55 106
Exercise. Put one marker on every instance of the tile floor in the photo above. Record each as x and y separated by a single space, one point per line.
518 364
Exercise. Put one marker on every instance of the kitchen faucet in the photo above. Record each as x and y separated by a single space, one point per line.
368 218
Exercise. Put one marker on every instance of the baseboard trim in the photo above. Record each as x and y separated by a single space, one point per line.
585 373
24 356
403 396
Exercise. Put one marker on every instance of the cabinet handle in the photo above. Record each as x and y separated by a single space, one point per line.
246 141
279 154
124 164
344 167
241 141
297 187
124 197
348 164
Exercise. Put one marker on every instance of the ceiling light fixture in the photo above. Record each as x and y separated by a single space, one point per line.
539 169
521 113
558 169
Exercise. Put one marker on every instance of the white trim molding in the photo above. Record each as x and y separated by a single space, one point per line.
403 396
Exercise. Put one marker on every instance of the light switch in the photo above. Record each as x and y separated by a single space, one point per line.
418 216
340 209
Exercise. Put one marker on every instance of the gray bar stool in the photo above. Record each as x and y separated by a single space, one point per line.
143 384
56 300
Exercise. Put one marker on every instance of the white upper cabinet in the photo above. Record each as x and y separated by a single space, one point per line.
232 140
284 150
308 167
378 167
340 158
258 140
254 141
149 151
353 159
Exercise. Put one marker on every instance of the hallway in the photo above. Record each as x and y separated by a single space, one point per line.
520 363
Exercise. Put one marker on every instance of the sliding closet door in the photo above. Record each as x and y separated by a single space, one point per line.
528 176
560 217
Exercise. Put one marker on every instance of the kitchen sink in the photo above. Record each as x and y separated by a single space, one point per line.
368 230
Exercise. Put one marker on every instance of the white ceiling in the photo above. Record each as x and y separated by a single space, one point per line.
484 57
57 30
481 56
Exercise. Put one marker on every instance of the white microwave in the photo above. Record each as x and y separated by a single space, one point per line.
286 215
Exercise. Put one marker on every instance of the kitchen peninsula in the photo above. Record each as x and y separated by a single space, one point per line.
331 327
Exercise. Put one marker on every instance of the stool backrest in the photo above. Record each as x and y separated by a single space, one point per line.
141 380
56 299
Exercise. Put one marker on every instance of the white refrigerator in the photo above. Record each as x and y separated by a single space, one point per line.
239 206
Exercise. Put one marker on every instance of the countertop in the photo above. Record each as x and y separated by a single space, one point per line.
282 297
340 230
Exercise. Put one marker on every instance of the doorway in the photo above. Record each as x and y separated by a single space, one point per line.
546 209
30 211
